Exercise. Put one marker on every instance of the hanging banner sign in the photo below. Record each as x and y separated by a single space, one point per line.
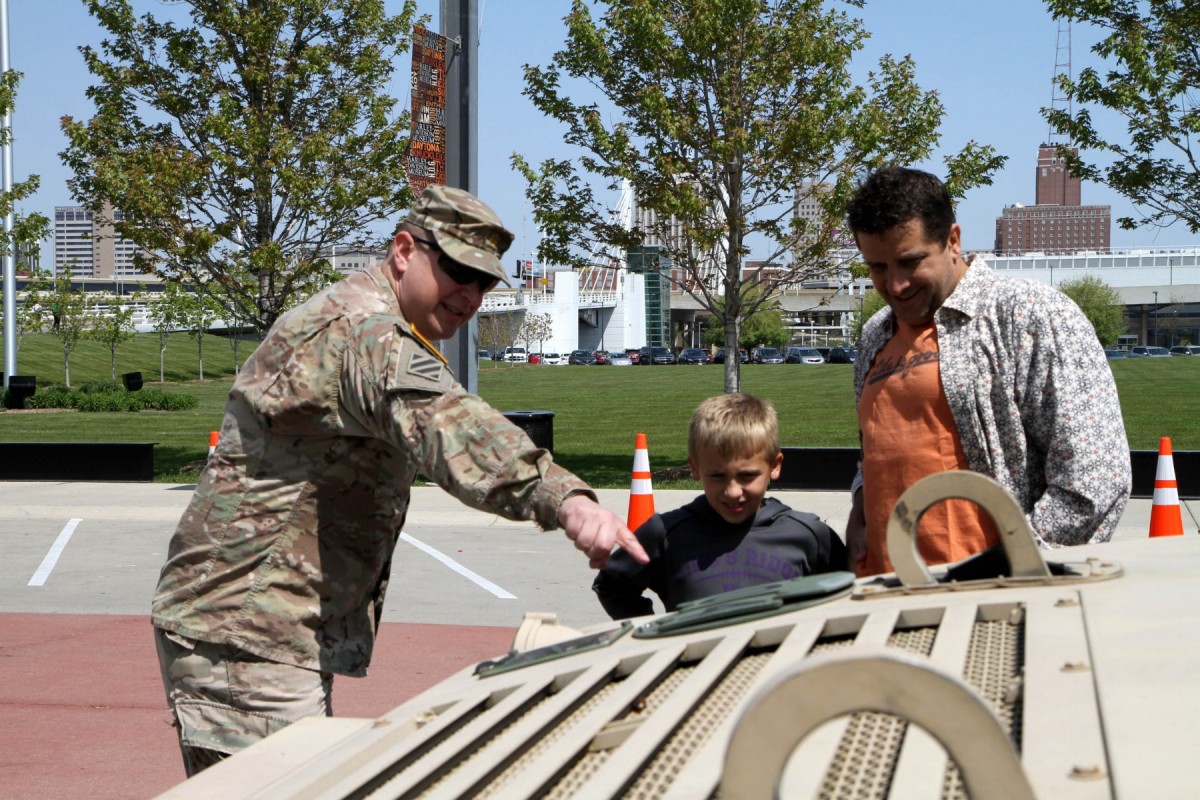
427 142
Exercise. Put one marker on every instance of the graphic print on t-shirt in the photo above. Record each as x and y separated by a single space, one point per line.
885 367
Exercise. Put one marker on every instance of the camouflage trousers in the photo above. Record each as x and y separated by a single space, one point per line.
224 699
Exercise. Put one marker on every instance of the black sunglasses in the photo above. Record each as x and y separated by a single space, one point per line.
459 273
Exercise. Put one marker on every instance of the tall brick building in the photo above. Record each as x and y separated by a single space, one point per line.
1058 222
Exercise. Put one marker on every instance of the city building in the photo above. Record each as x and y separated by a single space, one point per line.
1053 229
1055 185
808 207
348 260
87 246
28 258
1057 223
667 234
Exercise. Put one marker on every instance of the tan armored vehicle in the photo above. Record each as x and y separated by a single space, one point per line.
1070 677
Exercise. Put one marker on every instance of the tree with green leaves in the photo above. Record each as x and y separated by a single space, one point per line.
27 229
30 315
239 146
870 302
198 313
765 328
68 309
1101 304
113 326
717 113
1150 83
498 331
762 328
535 328
166 316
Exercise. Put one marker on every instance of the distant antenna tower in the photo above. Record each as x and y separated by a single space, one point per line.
1062 69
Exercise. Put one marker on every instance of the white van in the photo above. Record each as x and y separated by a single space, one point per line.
516 354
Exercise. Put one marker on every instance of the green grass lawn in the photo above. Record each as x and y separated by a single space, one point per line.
598 410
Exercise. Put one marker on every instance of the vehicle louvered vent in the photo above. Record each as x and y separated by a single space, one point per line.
633 726
866 757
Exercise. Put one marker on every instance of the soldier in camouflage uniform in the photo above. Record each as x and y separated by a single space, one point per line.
276 574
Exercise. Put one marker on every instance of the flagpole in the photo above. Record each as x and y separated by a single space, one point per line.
10 276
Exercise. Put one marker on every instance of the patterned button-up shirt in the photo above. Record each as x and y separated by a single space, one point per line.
287 544
1033 398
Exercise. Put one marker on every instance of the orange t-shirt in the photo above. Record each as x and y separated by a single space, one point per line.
908 433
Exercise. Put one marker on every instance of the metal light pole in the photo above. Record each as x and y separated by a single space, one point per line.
10 272
460 23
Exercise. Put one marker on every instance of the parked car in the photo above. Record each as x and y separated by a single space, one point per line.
633 353
804 355
515 354
719 356
484 355
554 359
1185 350
656 355
766 355
824 351
841 355
693 355
535 358
619 360
1113 355
582 358
1151 351
601 356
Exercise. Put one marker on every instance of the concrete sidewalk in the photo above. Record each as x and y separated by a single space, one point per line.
430 505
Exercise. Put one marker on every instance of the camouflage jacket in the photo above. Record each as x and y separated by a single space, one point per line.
286 546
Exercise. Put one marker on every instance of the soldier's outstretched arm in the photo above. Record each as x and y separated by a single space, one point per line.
595 531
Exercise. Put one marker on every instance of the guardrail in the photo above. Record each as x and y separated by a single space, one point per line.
833 468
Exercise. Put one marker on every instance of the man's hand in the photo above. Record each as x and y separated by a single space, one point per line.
594 530
856 536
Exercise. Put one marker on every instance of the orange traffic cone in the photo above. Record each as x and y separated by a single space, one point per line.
213 438
641 494
1166 517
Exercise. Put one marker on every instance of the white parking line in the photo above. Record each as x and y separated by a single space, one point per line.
60 544
459 568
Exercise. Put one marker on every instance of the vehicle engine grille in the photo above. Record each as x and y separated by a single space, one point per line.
645 723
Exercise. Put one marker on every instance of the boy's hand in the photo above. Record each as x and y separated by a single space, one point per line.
595 530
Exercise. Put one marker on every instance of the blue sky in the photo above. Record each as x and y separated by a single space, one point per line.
991 61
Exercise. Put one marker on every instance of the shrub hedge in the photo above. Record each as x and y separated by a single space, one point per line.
104 396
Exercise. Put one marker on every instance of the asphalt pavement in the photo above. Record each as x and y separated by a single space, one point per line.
96 548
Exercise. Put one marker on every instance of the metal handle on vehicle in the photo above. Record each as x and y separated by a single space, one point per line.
791 705
1024 559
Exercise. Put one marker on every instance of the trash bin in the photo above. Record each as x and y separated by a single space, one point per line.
19 387
538 426
133 381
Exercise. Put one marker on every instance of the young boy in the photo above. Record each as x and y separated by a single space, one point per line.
731 536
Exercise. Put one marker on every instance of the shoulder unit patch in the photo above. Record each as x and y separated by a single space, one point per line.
422 365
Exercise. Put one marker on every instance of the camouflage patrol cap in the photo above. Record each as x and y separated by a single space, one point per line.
463 227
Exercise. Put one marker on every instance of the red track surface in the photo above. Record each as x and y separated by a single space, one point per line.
82 712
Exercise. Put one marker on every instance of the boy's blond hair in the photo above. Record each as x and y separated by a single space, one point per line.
732 426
